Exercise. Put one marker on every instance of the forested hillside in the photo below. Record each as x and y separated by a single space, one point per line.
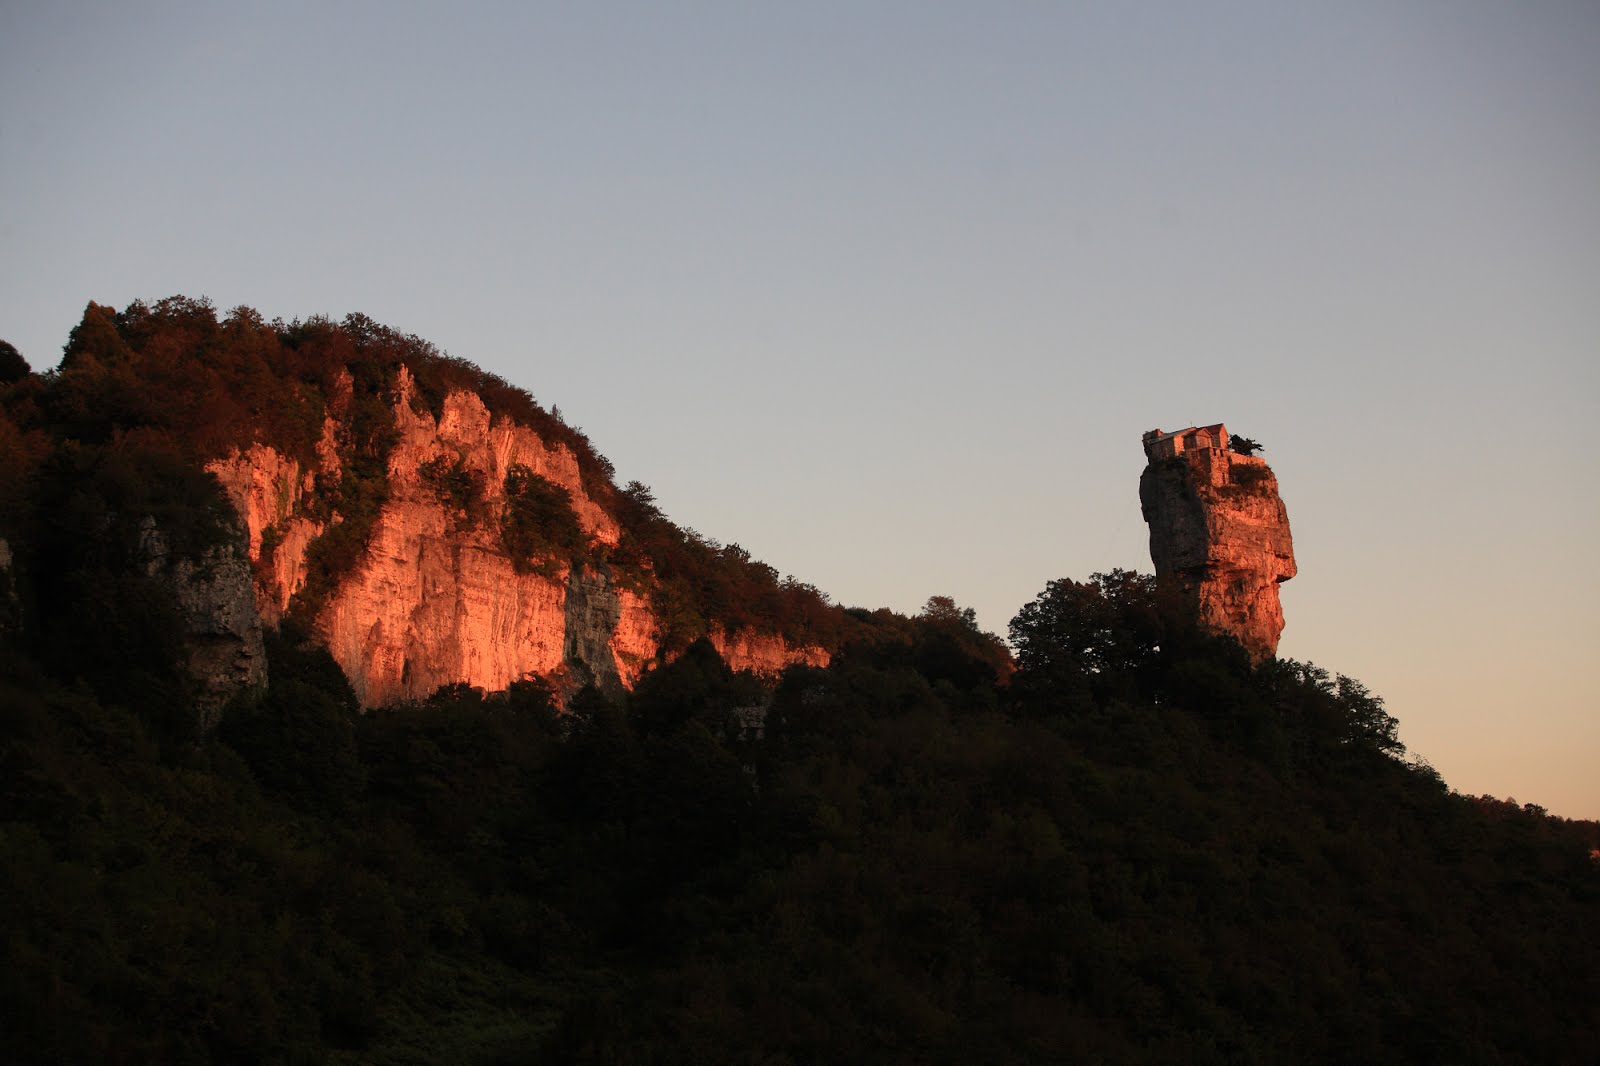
1116 842
1135 851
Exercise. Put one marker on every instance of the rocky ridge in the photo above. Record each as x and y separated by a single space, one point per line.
1219 533
436 599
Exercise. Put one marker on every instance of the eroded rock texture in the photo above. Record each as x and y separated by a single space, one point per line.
221 627
435 599
1218 533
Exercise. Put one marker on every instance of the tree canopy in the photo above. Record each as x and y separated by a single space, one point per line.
13 367
1138 849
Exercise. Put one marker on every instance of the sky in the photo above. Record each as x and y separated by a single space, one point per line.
888 292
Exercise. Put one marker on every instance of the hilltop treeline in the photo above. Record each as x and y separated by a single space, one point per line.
154 387
1137 848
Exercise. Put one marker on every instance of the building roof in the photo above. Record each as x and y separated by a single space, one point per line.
1184 432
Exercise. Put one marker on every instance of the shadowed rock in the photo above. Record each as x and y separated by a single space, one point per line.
221 629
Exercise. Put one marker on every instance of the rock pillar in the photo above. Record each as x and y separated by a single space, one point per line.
1219 534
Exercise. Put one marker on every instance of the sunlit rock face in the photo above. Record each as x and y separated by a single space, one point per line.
435 599
270 491
1219 533
763 653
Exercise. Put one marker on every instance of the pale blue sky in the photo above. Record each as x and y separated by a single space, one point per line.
887 292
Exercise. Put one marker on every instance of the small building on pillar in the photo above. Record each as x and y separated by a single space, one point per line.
1159 445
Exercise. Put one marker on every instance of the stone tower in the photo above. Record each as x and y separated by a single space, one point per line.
1218 533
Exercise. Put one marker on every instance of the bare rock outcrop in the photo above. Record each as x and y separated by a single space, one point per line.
435 598
1219 533
269 491
221 627
766 654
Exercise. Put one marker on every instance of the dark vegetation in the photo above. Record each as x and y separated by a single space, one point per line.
1250 479
459 489
1137 850
539 528
1127 845
13 367
700 584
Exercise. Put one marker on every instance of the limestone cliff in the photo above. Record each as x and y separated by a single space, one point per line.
763 653
221 627
436 598
1218 533
270 493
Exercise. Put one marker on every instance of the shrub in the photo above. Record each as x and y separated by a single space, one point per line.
539 528
1248 475
458 489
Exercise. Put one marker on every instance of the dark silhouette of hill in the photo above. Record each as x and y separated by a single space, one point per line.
1128 845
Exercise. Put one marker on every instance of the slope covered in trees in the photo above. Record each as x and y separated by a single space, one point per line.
1140 849
1125 844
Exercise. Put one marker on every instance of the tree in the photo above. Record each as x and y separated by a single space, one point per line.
947 645
1244 445
300 743
944 609
538 527
96 337
1109 623
12 366
1367 723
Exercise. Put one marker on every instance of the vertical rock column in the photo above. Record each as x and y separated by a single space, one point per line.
1220 535
221 629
